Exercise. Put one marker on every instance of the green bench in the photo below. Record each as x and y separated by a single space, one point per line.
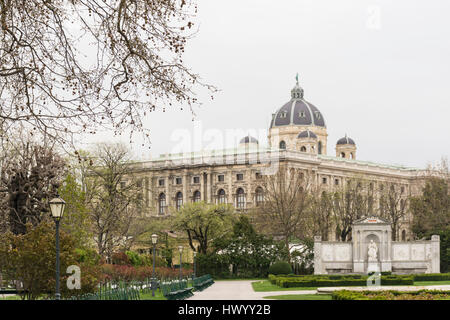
176 290
203 282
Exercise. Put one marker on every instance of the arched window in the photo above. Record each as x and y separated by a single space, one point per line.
221 196
240 198
404 235
162 203
259 196
179 200
352 155
342 154
283 145
197 196
303 149
319 147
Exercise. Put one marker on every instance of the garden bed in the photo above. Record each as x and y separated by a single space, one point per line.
391 295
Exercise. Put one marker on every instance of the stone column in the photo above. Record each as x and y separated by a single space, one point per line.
435 254
318 255
208 187
202 186
185 184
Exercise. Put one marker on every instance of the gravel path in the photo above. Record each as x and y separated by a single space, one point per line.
238 290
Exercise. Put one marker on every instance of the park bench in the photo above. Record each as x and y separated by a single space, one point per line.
203 282
176 290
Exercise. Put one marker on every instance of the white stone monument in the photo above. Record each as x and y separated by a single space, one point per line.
372 249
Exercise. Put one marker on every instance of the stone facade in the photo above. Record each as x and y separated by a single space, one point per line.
233 175
400 257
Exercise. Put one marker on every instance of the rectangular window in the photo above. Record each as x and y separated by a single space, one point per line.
221 177
196 180
122 184
324 180
139 183
161 182
336 182
258 175
178 180
240 176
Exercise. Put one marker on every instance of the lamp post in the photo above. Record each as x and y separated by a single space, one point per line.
154 241
180 249
195 263
57 209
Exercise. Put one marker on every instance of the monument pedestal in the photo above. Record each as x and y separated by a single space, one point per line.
358 267
386 266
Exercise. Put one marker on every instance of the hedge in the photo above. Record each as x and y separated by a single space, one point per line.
432 277
336 281
390 295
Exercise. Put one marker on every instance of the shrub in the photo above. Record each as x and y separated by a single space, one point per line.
280 267
120 258
432 277
391 295
335 280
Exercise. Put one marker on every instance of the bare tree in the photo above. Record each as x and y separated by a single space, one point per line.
30 174
393 206
113 201
321 213
348 204
80 66
284 211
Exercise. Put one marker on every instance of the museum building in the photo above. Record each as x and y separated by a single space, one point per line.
297 137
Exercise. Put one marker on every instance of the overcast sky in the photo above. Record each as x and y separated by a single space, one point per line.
377 70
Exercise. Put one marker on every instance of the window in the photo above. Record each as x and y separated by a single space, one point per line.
403 235
139 183
162 203
240 176
319 147
179 200
283 114
283 145
402 189
317 114
178 180
303 149
240 197
122 184
336 182
301 114
259 196
161 182
258 175
196 180
342 154
197 196
221 196
324 180
221 177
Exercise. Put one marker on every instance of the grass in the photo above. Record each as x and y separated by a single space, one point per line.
148 296
431 283
301 297
15 297
265 286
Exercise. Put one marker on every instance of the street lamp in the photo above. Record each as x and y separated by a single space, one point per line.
195 263
57 206
180 249
154 241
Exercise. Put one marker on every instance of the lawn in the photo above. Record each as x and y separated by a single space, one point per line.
301 297
148 296
265 286
431 283
15 297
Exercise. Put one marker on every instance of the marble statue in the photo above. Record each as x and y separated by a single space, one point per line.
372 251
